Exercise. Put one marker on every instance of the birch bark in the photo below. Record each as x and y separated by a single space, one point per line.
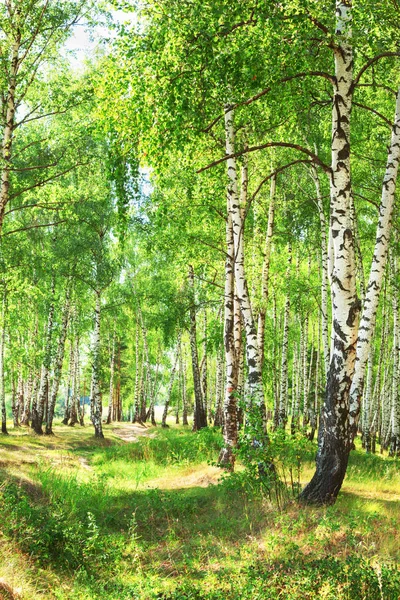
171 382
58 362
37 417
256 396
8 132
334 438
95 384
111 415
379 260
200 417
324 264
265 274
283 394
2 382
227 457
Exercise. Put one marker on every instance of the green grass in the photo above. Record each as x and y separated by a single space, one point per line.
82 520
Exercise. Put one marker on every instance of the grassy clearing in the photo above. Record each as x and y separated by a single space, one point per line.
153 519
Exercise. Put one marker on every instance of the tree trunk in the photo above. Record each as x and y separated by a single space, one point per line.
59 361
265 274
171 383
283 396
110 414
9 127
333 437
200 417
26 414
68 384
324 265
2 382
256 396
136 416
43 397
96 402
226 456
379 260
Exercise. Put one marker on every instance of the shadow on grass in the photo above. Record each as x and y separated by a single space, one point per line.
195 537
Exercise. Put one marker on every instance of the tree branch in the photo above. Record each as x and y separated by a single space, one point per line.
370 63
313 156
33 227
44 181
330 78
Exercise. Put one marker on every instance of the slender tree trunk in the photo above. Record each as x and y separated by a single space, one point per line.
79 408
117 409
58 361
171 383
147 379
204 369
200 417
227 457
283 396
42 402
8 132
26 414
379 260
394 411
74 385
136 416
256 396
17 397
96 402
184 393
218 418
265 273
110 414
375 401
2 382
68 383
324 264
239 358
366 421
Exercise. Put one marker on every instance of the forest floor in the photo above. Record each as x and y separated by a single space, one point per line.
147 514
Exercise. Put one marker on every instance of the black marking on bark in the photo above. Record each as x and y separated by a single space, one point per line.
338 330
354 311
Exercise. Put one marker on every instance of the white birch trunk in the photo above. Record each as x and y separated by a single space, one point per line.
282 416
334 438
379 260
265 274
2 382
171 382
58 362
8 132
200 417
227 457
325 278
256 400
37 419
96 403
110 414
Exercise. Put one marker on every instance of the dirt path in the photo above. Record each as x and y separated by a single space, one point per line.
130 432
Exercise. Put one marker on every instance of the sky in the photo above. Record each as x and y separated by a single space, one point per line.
84 43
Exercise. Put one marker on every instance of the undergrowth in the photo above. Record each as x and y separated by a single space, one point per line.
235 540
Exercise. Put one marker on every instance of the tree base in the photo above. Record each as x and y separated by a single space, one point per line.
226 459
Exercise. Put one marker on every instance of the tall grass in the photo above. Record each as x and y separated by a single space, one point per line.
105 539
